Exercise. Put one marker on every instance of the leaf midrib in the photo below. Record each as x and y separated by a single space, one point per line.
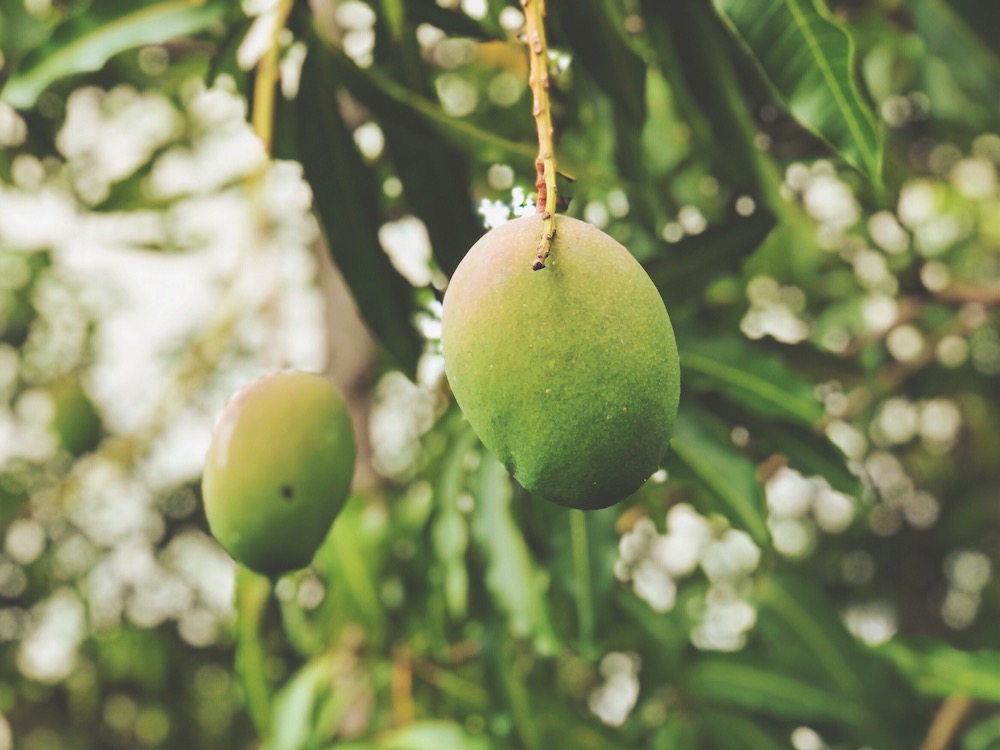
830 78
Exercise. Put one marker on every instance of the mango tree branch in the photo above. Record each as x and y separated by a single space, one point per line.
545 164
947 722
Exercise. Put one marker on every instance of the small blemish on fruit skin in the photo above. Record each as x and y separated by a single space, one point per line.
287 492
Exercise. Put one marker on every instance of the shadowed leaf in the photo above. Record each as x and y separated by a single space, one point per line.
749 376
733 731
803 631
756 685
715 464
517 586
687 267
434 173
809 60
346 199
975 66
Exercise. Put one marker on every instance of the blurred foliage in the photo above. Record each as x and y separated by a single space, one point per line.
813 186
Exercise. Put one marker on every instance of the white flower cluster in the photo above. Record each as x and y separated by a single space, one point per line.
797 505
935 421
495 213
898 498
825 197
968 573
655 562
613 700
776 310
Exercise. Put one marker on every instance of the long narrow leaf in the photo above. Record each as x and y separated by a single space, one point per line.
450 530
749 376
596 35
691 44
809 60
732 731
936 669
85 43
346 198
763 688
803 631
432 735
516 585
720 469
389 99
250 601
686 269
975 66
434 173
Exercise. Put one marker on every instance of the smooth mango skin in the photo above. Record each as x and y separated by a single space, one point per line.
568 374
278 470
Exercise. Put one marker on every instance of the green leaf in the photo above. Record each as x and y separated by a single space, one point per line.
346 198
809 61
979 17
516 584
450 531
21 32
749 376
807 617
298 704
435 180
692 48
432 735
686 268
390 100
450 20
348 561
934 668
667 635
86 42
975 66
761 687
596 35
676 733
508 671
732 731
434 173
983 736
715 463
251 594
803 632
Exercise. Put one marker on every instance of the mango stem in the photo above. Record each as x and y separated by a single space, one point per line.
545 164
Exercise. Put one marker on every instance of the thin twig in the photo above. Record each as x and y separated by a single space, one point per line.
267 78
545 164
402 688
947 722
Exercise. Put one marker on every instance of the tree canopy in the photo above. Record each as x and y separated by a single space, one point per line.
196 192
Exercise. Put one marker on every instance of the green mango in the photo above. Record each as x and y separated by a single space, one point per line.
279 470
568 374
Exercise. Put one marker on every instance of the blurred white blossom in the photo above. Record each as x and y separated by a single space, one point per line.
614 699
